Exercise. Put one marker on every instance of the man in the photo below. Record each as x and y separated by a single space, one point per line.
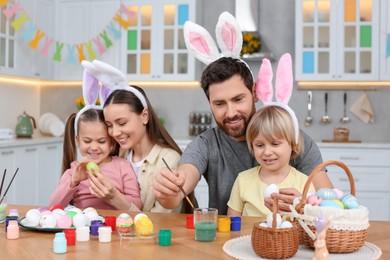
221 153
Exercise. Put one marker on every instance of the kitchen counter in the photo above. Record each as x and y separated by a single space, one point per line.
38 139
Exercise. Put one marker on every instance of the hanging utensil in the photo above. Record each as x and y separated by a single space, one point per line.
345 118
309 119
325 118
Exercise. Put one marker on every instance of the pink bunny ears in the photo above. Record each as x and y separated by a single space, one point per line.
110 79
283 86
200 43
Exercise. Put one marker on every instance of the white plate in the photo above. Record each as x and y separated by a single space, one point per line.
241 248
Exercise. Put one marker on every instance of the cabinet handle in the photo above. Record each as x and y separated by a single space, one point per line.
31 149
7 152
346 179
349 158
51 147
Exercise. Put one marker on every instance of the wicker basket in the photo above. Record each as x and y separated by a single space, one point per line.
272 242
337 241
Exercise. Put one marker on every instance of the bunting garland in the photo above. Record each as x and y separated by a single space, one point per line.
40 41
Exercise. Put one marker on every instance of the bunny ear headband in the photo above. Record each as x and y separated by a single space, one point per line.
229 38
111 79
90 95
283 87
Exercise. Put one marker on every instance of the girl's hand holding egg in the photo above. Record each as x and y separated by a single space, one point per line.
271 188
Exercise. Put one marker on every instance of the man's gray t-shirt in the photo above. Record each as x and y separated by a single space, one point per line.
220 159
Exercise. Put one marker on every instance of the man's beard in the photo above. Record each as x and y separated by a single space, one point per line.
235 132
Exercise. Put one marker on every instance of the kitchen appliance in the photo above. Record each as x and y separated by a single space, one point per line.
25 125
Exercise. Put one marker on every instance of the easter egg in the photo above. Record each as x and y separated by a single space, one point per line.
339 193
286 224
314 200
271 188
339 202
91 166
80 220
71 214
33 217
138 216
48 221
144 226
64 221
327 194
350 202
270 219
57 206
263 224
330 203
124 223
92 215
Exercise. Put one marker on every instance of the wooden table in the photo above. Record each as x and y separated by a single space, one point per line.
39 245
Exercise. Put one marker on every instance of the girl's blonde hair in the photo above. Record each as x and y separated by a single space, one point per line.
273 122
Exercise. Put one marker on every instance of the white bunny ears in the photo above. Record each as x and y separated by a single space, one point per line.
283 87
200 43
90 95
110 78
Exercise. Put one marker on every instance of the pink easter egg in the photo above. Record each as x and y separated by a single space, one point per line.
314 200
339 193
64 221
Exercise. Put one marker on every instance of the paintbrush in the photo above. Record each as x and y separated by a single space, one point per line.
2 181
180 187
9 185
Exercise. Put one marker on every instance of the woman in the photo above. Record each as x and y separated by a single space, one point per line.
133 123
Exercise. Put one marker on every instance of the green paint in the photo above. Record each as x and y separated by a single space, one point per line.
205 231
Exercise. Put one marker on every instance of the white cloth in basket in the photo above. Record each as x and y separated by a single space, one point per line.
342 219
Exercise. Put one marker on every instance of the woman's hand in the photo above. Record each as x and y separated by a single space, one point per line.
285 197
101 187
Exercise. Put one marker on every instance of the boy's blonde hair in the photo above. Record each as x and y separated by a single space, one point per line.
273 122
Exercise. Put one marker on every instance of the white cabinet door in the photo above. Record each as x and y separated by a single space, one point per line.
31 62
39 172
153 45
8 163
25 183
79 22
337 40
49 171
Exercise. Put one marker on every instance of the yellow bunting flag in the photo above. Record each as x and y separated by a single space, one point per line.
80 50
91 53
21 20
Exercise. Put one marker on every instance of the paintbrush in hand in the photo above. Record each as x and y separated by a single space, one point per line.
180 187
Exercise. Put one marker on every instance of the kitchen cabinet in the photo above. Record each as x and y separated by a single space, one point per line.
337 40
78 22
370 167
153 46
385 40
17 57
39 163
7 45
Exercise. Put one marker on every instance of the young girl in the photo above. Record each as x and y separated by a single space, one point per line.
133 123
88 131
274 139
